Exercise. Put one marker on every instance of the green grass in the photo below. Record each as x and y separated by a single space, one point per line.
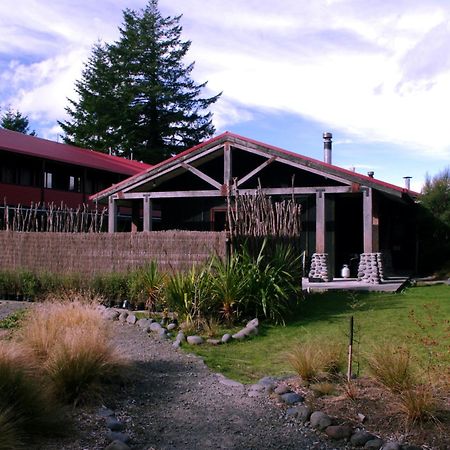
378 317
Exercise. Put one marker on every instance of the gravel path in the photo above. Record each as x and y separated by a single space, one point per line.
173 401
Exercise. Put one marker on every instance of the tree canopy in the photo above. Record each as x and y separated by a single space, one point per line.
136 95
15 121
436 195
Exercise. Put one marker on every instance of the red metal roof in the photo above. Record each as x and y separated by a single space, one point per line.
364 179
42 148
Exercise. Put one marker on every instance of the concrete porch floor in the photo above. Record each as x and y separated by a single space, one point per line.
392 284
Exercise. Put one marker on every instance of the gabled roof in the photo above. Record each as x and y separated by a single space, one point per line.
12 141
269 150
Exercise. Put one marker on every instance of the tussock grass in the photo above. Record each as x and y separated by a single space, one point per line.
71 344
391 366
417 404
26 408
314 359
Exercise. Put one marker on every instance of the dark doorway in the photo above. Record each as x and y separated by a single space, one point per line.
349 232
218 219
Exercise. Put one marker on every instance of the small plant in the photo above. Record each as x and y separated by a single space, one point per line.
417 404
323 388
13 320
391 366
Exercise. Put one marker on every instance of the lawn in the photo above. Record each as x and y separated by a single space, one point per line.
378 317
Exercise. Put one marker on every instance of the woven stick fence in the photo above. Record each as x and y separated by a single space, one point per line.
51 218
258 215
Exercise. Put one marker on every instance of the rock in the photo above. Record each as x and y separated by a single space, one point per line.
290 398
117 445
195 340
269 384
155 326
292 412
114 425
143 323
226 338
162 333
411 447
254 323
320 420
131 319
214 341
303 413
117 436
123 316
361 417
373 444
176 344
227 382
254 394
181 337
171 326
282 389
391 446
111 314
105 412
360 438
339 431
257 387
240 335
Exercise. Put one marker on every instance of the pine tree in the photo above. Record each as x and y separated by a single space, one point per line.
136 95
15 121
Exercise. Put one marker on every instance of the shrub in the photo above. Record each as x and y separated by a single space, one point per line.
417 404
146 287
391 366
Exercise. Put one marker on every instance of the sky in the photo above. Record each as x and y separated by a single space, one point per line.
376 74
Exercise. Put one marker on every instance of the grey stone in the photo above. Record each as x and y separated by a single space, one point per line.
269 384
320 420
282 389
213 341
117 445
257 387
131 319
291 398
373 444
114 425
254 323
303 413
117 436
123 316
162 334
255 394
155 326
339 431
240 335
227 382
292 412
195 340
111 314
176 344
143 323
226 338
181 337
360 438
391 446
105 412
171 326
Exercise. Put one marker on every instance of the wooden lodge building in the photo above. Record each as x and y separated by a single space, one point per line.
42 171
343 214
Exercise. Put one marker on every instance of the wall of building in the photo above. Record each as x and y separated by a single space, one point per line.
90 253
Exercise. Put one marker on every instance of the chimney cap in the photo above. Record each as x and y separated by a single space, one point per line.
327 135
371 174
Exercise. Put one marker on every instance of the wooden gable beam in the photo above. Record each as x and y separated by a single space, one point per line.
201 175
257 170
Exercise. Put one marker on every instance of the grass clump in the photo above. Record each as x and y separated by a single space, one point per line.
417 404
27 409
71 344
391 366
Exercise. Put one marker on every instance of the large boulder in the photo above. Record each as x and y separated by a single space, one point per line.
320 420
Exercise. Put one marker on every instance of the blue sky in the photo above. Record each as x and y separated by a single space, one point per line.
375 74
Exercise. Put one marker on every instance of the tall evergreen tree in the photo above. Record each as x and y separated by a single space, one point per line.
136 95
15 121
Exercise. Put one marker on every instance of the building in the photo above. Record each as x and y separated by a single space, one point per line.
38 170
344 214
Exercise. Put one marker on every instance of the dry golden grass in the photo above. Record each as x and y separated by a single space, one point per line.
391 366
417 404
312 359
323 388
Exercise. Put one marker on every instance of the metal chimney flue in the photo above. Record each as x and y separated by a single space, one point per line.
327 147
407 182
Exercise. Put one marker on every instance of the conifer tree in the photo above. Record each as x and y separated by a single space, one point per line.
136 95
15 121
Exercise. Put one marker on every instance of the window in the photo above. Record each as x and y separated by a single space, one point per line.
48 180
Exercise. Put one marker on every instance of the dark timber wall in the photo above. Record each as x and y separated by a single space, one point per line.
89 253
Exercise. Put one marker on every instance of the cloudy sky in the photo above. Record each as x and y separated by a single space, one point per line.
374 73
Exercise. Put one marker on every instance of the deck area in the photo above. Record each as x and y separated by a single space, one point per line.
393 284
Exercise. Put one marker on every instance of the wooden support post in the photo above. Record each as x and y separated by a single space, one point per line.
227 164
147 214
320 221
370 222
135 210
112 215
350 351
